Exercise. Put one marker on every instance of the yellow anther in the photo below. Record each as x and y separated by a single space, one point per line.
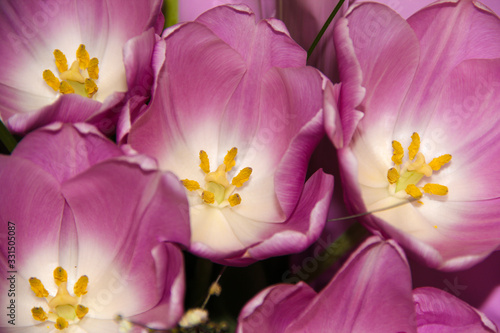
61 61
82 56
435 189
191 185
413 191
66 88
61 323
215 289
208 197
51 79
81 311
234 199
414 146
60 275
398 152
93 69
80 287
242 177
392 175
90 87
205 163
438 162
38 288
39 314
229 158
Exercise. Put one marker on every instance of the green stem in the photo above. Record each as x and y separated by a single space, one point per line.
7 139
171 12
323 29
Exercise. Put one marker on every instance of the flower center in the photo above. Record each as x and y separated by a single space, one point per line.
406 176
64 309
79 78
217 187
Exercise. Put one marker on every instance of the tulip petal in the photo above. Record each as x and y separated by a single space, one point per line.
65 150
373 284
149 208
271 308
438 311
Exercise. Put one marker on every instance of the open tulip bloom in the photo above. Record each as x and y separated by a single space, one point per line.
236 115
370 293
419 108
74 61
84 244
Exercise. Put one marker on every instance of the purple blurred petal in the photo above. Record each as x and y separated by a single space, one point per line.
438 311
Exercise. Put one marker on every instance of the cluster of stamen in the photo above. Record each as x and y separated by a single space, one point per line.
79 78
406 176
64 309
218 190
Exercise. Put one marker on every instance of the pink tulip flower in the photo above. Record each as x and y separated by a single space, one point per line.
418 104
74 61
236 115
84 243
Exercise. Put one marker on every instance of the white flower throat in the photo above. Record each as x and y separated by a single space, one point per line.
63 309
79 78
218 191
406 176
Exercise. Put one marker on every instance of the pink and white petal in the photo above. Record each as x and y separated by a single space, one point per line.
33 198
88 325
273 309
170 283
123 254
388 53
208 227
67 108
466 126
304 226
377 280
438 311
480 40
350 93
173 109
65 150
333 125
491 306
294 127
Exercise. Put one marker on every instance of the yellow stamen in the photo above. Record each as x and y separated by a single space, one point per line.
435 189
61 323
38 288
438 162
80 287
234 199
398 152
413 191
93 69
82 56
90 87
392 175
61 61
242 177
39 314
191 185
51 79
208 197
414 146
60 275
229 158
81 311
66 88
205 163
